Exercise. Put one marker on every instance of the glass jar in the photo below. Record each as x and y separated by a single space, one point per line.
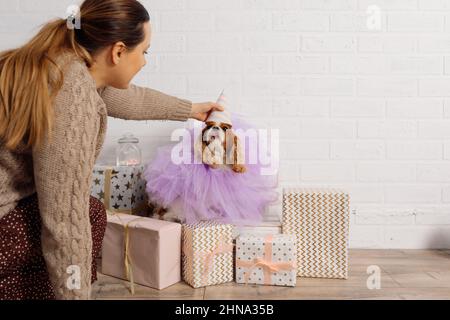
128 152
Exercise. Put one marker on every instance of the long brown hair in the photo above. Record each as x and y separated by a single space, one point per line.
30 77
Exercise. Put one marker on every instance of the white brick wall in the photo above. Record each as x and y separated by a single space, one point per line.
367 110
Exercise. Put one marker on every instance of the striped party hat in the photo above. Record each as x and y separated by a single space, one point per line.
221 116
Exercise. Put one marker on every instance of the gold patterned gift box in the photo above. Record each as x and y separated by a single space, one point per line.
121 188
269 260
319 218
207 255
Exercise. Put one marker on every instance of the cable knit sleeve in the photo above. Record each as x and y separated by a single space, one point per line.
140 103
63 173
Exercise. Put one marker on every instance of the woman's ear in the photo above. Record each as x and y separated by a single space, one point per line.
117 51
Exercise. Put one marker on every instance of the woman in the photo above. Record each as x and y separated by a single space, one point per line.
56 92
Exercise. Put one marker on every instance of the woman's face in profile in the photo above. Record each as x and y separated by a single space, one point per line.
131 61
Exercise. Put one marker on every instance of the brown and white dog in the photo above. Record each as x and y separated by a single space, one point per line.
218 147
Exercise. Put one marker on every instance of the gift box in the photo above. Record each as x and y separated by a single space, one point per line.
319 218
207 257
142 250
268 260
121 188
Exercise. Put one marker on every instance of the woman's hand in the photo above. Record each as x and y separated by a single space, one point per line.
201 111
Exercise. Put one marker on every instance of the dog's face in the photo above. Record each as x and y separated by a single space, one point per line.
215 132
220 147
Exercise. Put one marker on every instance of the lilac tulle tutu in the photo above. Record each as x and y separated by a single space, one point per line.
211 194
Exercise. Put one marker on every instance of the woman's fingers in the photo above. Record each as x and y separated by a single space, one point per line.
217 107
201 111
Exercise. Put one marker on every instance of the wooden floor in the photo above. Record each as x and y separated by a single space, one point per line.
405 274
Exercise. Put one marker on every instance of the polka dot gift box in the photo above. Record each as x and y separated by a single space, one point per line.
268 260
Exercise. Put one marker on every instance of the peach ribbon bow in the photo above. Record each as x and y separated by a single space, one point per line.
266 263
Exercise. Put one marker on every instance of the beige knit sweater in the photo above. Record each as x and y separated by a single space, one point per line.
61 172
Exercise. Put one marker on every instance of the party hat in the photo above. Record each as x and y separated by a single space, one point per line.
221 116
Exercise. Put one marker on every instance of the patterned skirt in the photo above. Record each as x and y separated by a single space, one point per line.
23 272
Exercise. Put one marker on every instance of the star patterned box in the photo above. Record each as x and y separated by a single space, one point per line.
121 188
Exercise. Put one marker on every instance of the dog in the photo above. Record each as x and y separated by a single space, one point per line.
211 147
218 147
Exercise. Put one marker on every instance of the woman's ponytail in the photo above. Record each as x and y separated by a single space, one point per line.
30 77
29 81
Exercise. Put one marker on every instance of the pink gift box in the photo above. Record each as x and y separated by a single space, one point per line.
153 250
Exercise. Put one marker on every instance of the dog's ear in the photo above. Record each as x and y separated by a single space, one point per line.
199 146
234 151
225 126
239 154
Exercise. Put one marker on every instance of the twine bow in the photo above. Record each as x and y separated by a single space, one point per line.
127 258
